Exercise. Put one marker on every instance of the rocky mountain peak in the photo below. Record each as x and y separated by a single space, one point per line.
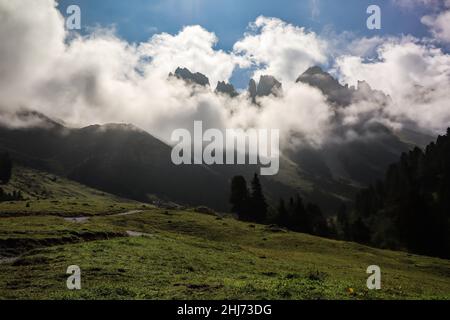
267 85
330 87
226 88
338 94
188 76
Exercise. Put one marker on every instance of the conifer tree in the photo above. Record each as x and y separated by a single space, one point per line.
258 201
283 214
5 168
240 198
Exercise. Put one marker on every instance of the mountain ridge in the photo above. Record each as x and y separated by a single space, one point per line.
109 157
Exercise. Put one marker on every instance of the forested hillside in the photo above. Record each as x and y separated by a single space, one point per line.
410 209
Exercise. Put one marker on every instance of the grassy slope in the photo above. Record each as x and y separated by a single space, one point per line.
188 255
49 194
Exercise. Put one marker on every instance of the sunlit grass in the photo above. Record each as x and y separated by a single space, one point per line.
186 255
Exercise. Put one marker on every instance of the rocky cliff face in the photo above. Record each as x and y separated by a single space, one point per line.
252 90
226 88
337 94
188 76
267 85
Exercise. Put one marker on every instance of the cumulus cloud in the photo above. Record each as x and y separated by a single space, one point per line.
438 21
301 114
439 25
193 47
281 49
414 74
100 78
31 38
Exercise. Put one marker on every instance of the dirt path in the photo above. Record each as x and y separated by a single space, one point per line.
138 234
129 233
85 219
127 213
77 219
8 260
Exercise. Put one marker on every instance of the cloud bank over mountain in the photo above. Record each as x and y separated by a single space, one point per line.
100 78
416 76
281 49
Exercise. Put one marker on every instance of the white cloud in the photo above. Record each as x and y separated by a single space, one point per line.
31 38
192 47
365 47
101 78
301 114
439 25
281 49
415 75
438 21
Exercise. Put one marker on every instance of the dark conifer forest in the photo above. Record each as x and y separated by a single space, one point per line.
409 210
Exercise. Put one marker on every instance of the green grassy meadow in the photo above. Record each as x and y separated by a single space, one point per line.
156 253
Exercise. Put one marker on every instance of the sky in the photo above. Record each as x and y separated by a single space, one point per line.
138 20
116 68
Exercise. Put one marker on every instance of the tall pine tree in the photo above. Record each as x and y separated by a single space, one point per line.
5 168
283 218
300 219
240 197
258 201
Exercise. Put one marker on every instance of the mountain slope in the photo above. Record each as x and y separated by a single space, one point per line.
129 162
119 159
357 152
45 193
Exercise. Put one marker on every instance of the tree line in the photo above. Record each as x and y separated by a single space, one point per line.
250 205
5 168
408 210
5 176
